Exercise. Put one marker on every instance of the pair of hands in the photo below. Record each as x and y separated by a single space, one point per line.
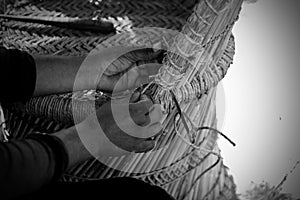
129 71
122 126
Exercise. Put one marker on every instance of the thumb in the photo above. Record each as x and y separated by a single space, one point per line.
144 146
146 73
135 97
149 69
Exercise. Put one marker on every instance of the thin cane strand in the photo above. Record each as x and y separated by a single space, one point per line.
183 116
203 173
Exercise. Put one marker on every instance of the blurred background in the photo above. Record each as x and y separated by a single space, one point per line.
262 111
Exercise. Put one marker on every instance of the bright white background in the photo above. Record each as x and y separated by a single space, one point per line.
261 87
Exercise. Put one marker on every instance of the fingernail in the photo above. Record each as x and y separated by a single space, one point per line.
144 97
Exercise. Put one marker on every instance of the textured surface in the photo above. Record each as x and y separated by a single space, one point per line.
183 171
124 15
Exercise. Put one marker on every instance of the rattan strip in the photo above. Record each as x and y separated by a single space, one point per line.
88 169
202 29
161 159
166 177
62 111
171 75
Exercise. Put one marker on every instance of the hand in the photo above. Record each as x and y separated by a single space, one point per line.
130 70
112 140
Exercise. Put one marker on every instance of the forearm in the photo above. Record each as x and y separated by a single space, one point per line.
57 74
74 146
43 75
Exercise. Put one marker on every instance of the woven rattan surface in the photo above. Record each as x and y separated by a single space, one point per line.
43 39
179 170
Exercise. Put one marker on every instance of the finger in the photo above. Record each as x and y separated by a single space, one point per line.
146 73
129 60
155 113
149 68
118 66
135 97
155 128
143 54
105 83
144 97
137 76
138 111
144 146
143 106
141 119
125 81
133 78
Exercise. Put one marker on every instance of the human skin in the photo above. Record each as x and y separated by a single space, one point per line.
56 74
121 143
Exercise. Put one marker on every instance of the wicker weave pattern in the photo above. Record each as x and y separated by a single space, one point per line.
190 44
59 107
181 171
190 56
52 40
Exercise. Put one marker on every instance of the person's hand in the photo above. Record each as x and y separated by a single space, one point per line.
112 138
130 70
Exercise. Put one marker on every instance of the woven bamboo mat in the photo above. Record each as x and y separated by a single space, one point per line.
43 39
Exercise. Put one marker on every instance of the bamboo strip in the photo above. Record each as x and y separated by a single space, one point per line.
162 144
108 171
170 156
177 156
170 69
196 69
200 115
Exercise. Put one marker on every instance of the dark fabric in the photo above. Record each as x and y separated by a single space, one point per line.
27 165
18 75
110 189
58 149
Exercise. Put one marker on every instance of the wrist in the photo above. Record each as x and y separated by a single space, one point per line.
75 149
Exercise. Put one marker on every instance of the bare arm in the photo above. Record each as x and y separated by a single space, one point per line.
56 74
112 141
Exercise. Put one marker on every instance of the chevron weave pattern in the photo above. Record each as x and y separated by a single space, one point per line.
183 171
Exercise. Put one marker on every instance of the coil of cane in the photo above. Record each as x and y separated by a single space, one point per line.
171 72
4 135
198 82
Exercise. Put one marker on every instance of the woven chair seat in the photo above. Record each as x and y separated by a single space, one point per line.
171 169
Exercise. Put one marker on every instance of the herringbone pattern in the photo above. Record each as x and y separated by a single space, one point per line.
37 38
182 169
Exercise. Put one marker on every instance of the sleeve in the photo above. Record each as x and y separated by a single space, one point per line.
17 75
28 165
